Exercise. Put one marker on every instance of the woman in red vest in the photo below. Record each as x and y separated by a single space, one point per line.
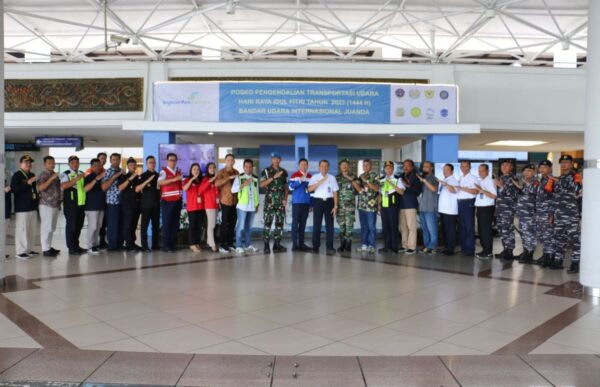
194 206
210 198
171 192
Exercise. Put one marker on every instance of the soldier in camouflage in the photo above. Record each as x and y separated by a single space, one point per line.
346 215
544 213
527 192
505 209
567 229
274 181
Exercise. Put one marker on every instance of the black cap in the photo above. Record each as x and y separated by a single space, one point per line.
546 163
26 158
73 157
565 158
388 164
131 160
529 166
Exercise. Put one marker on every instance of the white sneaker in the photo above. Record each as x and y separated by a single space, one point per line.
232 249
362 249
239 250
372 250
223 251
251 249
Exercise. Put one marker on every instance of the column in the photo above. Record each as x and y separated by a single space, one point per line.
301 146
590 259
2 153
152 141
441 148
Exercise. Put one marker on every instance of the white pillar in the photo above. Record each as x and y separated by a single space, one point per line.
2 153
590 259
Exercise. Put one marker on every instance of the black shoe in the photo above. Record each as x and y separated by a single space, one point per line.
94 250
401 250
304 247
54 250
507 255
557 264
113 249
295 248
81 250
469 254
103 245
49 253
546 260
23 256
331 251
342 246
526 257
33 252
574 269
383 250
349 246
74 252
267 248
484 256
409 251
448 253
315 250
146 250
278 248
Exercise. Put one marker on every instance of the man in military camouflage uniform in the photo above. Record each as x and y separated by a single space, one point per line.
505 209
367 207
544 213
527 192
346 215
274 180
567 230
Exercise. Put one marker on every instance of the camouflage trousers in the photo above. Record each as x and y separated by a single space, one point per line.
527 224
567 232
505 219
277 214
345 219
545 231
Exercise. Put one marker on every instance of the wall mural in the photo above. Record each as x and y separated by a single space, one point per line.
74 95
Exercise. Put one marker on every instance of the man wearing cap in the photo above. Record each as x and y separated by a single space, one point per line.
274 180
301 203
367 207
567 229
505 208
23 186
391 191
72 185
130 205
110 184
528 188
346 215
325 205
48 185
544 213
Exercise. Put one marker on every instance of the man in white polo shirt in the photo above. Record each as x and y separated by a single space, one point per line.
466 208
485 203
448 208
325 189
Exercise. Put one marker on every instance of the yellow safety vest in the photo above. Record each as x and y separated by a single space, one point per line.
386 187
244 194
80 191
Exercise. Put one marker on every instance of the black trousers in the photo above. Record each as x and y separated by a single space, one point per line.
150 215
75 217
389 219
299 216
449 230
197 220
228 221
322 209
484 227
466 223
130 214
170 219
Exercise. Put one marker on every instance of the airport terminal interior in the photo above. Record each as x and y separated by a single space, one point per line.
308 193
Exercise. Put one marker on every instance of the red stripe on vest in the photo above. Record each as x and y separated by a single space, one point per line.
171 192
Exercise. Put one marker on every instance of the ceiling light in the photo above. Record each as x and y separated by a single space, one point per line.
565 44
392 135
211 133
516 143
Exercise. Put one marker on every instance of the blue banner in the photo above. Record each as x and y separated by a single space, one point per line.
304 102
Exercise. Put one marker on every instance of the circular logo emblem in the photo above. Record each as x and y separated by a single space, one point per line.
429 94
415 112
429 113
444 94
400 112
444 113
399 93
414 93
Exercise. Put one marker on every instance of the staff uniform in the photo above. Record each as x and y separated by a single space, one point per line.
26 203
466 214
113 210
247 204
210 197
322 206
429 214
130 210
170 205
448 210
150 209
95 203
227 201
408 211
49 208
195 209
74 209
390 206
301 202
485 214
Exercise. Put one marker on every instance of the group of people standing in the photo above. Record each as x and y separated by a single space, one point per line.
113 200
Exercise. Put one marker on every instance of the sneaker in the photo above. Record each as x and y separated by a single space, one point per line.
23 256
425 251
484 257
223 250
362 249
48 253
409 251
251 249
401 250
330 252
231 249
94 250
371 249
239 250
33 252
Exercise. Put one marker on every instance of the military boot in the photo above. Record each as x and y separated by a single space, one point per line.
557 264
342 247
267 249
278 248
574 269
349 246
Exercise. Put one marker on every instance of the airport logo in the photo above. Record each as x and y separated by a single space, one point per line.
414 93
429 113
444 94
400 112
429 94
444 113
399 93
415 112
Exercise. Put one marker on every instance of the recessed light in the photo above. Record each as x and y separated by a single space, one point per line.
392 135
516 143
211 133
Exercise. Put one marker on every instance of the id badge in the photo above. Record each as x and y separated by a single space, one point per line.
349 186
328 189
34 195
198 199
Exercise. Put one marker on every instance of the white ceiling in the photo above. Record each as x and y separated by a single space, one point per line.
458 31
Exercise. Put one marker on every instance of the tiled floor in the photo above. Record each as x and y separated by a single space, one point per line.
326 310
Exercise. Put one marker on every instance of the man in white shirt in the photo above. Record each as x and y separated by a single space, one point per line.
448 208
246 188
485 202
466 208
325 194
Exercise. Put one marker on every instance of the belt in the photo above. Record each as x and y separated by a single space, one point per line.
324 199
464 200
